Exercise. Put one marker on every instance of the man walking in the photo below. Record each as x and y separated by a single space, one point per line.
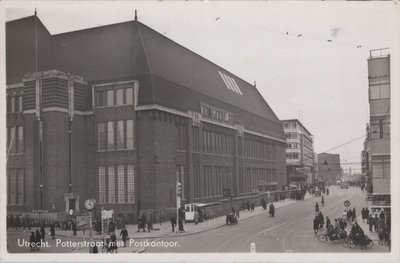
173 223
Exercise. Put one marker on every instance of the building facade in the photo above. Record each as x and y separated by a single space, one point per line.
299 152
376 153
122 114
329 169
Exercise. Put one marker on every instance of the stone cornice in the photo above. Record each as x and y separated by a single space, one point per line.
53 74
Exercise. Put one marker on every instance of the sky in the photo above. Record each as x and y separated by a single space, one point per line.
308 59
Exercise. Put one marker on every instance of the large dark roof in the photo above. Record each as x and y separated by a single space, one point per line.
132 49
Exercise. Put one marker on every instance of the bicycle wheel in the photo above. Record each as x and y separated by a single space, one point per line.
322 237
336 241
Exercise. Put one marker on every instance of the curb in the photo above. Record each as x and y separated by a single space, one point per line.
190 233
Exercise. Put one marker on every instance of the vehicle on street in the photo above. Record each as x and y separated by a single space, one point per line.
231 219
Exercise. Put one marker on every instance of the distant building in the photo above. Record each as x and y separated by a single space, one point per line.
123 114
329 169
299 152
376 153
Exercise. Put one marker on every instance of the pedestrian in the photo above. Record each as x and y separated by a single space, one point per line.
248 205
376 223
272 210
38 240
327 191
322 201
113 243
180 222
370 222
252 207
263 204
328 222
173 223
196 217
380 225
315 225
32 241
42 233
316 207
52 231
95 249
382 215
321 220
354 215
124 234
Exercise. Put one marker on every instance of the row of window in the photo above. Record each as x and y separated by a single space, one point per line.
288 125
380 91
292 156
217 143
115 135
212 180
291 135
250 178
15 139
216 114
255 149
293 145
16 186
181 133
381 168
380 129
14 104
116 184
114 97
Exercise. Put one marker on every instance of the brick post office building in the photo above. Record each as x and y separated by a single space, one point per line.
121 113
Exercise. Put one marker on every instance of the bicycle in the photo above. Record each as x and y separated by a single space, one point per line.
349 242
335 239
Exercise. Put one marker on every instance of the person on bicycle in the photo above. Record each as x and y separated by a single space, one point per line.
316 224
331 232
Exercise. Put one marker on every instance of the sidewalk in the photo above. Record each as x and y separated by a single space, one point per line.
164 229
372 235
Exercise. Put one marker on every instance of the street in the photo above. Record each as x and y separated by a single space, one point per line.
289 231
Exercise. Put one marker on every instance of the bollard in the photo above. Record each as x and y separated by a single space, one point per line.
252 247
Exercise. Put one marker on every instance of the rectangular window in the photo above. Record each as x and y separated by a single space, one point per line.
121 183
120 135
100 98
110 136
129 96
129 134
20 186
119 97
130 184
101 135
111 184
17 103
102 184
12 140
20 104
110 97
12 104
20 139
12 186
